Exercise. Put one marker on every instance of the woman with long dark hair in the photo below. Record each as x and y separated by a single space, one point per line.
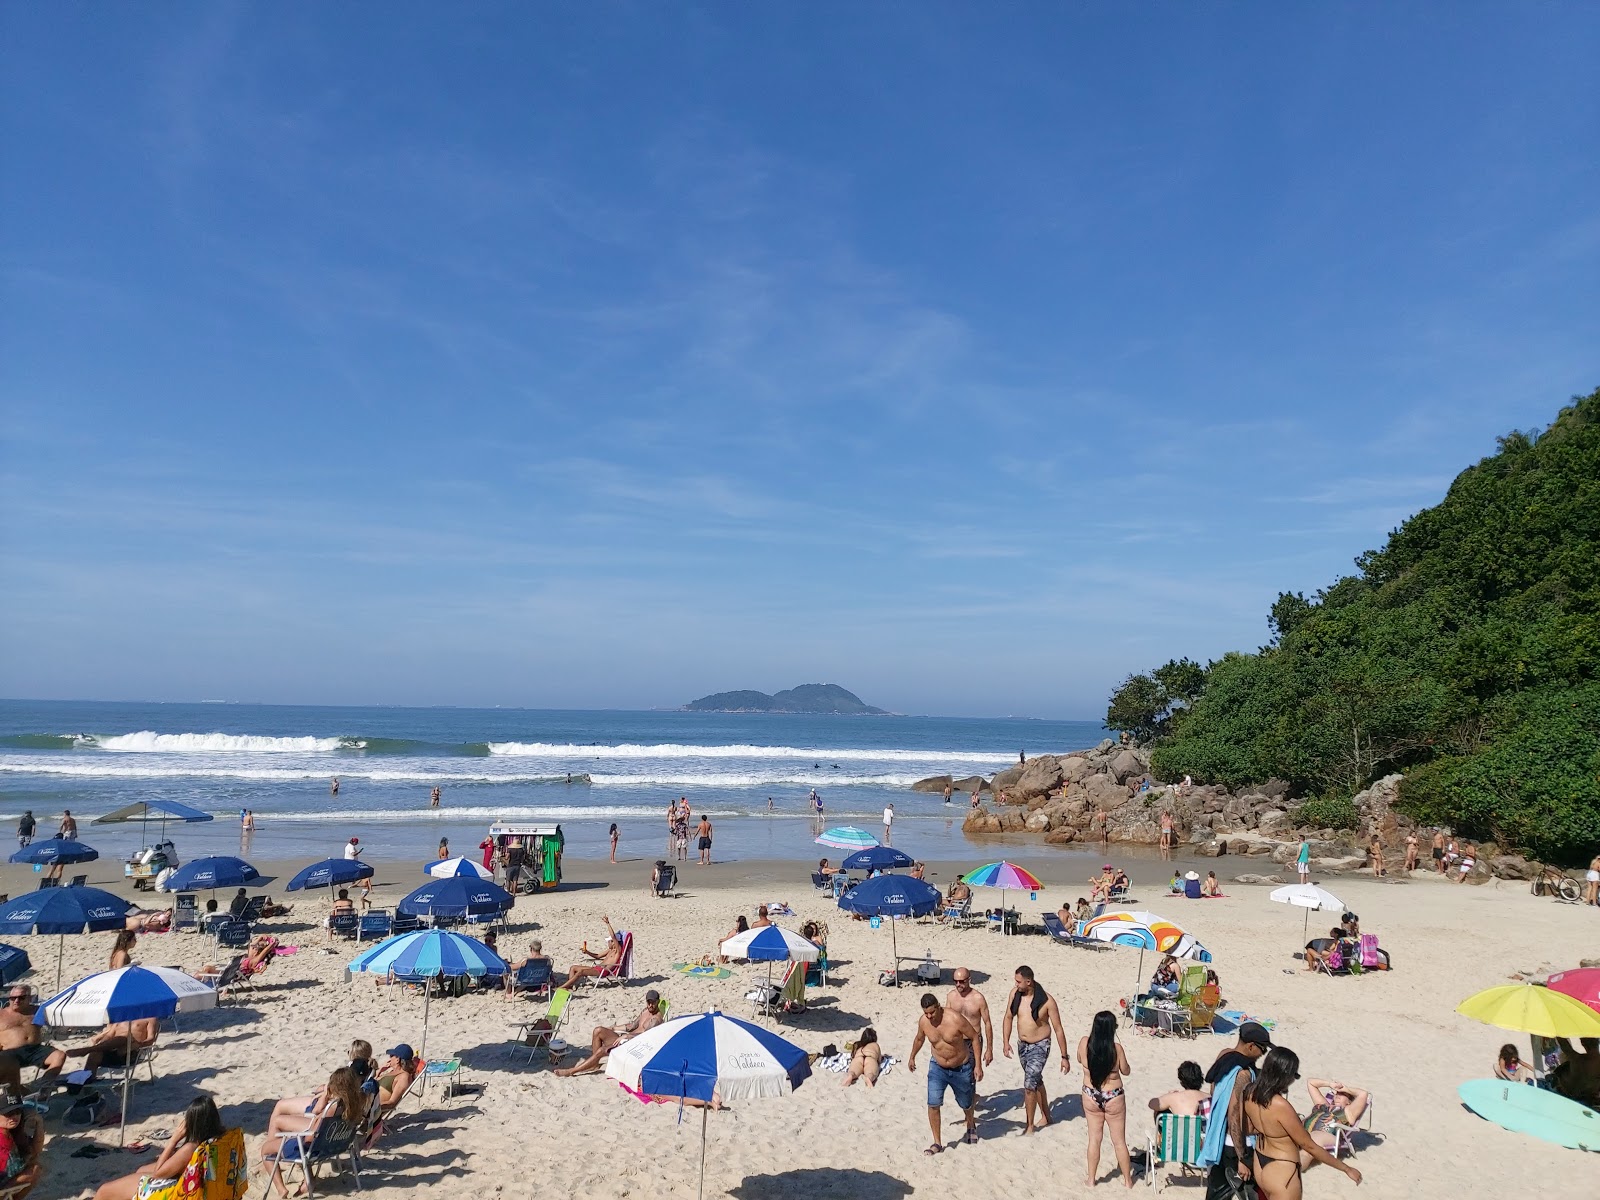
1283 1147
122 949
1104 1104
201 1123
614 836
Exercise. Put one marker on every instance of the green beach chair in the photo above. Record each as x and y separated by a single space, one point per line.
1194 978
1176 1140
539 1033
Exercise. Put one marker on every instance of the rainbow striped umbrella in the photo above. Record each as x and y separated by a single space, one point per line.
1008 877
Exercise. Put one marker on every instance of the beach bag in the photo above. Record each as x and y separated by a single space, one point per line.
88 1109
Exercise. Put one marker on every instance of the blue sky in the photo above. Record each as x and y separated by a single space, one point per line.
609 354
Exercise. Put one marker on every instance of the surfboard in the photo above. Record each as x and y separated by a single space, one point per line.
1534 1111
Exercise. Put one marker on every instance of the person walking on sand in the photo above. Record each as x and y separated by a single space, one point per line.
888 824
703 832
1105 1106
956 1066
1302 861
1036 1017
969 1002
614 836
25 828
436 795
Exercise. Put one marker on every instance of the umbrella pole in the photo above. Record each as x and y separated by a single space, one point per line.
705 1110
127 1084
894 949
427 994
61 944
1305 926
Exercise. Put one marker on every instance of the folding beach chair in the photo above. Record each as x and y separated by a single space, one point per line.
234 935
217 1170
1177 1141
1369 954
78 881
622 970
344 924
405 923
535 978
226 980
1194 978
335 1139
822 884
374 926
1057 929
666 880
1203 1006
539 1033
1344 1135
252 910
46 884
186 913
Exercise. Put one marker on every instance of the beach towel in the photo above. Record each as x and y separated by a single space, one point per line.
840 1063
1221 1095
217 1171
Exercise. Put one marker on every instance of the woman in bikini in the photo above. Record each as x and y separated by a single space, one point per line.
122 951
1280 1136
1332 1104
867 1060
1104 1065
201 1123
395 1076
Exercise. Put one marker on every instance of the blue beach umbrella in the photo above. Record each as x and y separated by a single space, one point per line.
770 944
141 810
457 896
56 850
221 870
126 994
14 964
62 911
331 873
878 858
709 1056
450 868
429 954
892 896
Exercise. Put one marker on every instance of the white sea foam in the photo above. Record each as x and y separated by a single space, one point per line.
146 742
674 750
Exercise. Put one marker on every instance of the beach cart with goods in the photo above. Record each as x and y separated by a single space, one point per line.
534 849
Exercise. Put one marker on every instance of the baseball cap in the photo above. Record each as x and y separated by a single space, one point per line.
403 1050
1255 1034
10 1103
652 997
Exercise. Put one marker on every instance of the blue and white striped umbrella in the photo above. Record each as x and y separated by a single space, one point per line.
770 943
126 994
56 850
450 868
706 1056
220 871
331 872
430 953
458 896
847 837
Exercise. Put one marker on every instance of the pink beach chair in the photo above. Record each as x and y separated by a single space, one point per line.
1370 959
623 970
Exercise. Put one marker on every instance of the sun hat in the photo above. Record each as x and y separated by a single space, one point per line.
1192 875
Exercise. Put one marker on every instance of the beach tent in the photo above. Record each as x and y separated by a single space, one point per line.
706 1058
142 809
1008 877
61 911
429 954
126 994
892 896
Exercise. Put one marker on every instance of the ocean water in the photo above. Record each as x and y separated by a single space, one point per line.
498 764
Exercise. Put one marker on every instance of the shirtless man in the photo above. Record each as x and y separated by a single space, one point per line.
605 1039
1036 1016
20 1041
1438 851
969 1002
110 1046
610 957
956 1065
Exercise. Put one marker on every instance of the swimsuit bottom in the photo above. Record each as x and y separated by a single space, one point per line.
1101 1098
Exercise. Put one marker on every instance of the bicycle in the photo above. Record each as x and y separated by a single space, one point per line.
1555 882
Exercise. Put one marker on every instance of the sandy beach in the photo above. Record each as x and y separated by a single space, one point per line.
517 1131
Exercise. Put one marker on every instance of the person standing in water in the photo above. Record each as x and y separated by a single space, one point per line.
436 797
704 834
948 791
333 788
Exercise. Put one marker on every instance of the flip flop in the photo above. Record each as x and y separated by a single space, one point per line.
936 1148
972 1138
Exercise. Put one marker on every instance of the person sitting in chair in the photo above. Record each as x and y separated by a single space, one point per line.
604 1039
21 1142
1319 949
201 1123
22 1042
118 1044
611 956
1164 982
1189 1099
536 954
1332 1104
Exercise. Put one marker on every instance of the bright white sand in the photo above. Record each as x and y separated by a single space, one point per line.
525 1133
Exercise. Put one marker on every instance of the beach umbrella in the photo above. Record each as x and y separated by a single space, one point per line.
708 1057
222 870
1146 931
1008 877
331 873
61 911
878 858
14 964
457 896
449 868
1531 1008
56 850
126 994
846 837
892 896
140 811
1581 983
429 954
1309 897
770 944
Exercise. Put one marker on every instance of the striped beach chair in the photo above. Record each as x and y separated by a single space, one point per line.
1177 1140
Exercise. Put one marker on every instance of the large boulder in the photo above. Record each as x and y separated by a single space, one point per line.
1060 837
1512 866
1274 789
981 820
1011 821
1007 779
1273 823
1126 766
1074 767
1104 793
934 783
1257 879
1037 822
971 783
1041 775
1349 862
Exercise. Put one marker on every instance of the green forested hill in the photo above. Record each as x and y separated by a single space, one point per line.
1465 652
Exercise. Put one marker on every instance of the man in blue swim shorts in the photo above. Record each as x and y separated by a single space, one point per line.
952 1042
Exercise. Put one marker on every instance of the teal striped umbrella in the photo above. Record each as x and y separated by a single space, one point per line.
847 837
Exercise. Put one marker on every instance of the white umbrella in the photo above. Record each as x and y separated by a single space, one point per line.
770 943
450 868
126 994
1309 897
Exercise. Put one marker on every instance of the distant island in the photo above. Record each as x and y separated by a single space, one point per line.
807 698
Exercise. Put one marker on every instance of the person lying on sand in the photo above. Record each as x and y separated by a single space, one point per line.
110 1047
867 1060
150 922
604 1038
610 957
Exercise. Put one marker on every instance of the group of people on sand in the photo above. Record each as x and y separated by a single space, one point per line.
1247 1085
